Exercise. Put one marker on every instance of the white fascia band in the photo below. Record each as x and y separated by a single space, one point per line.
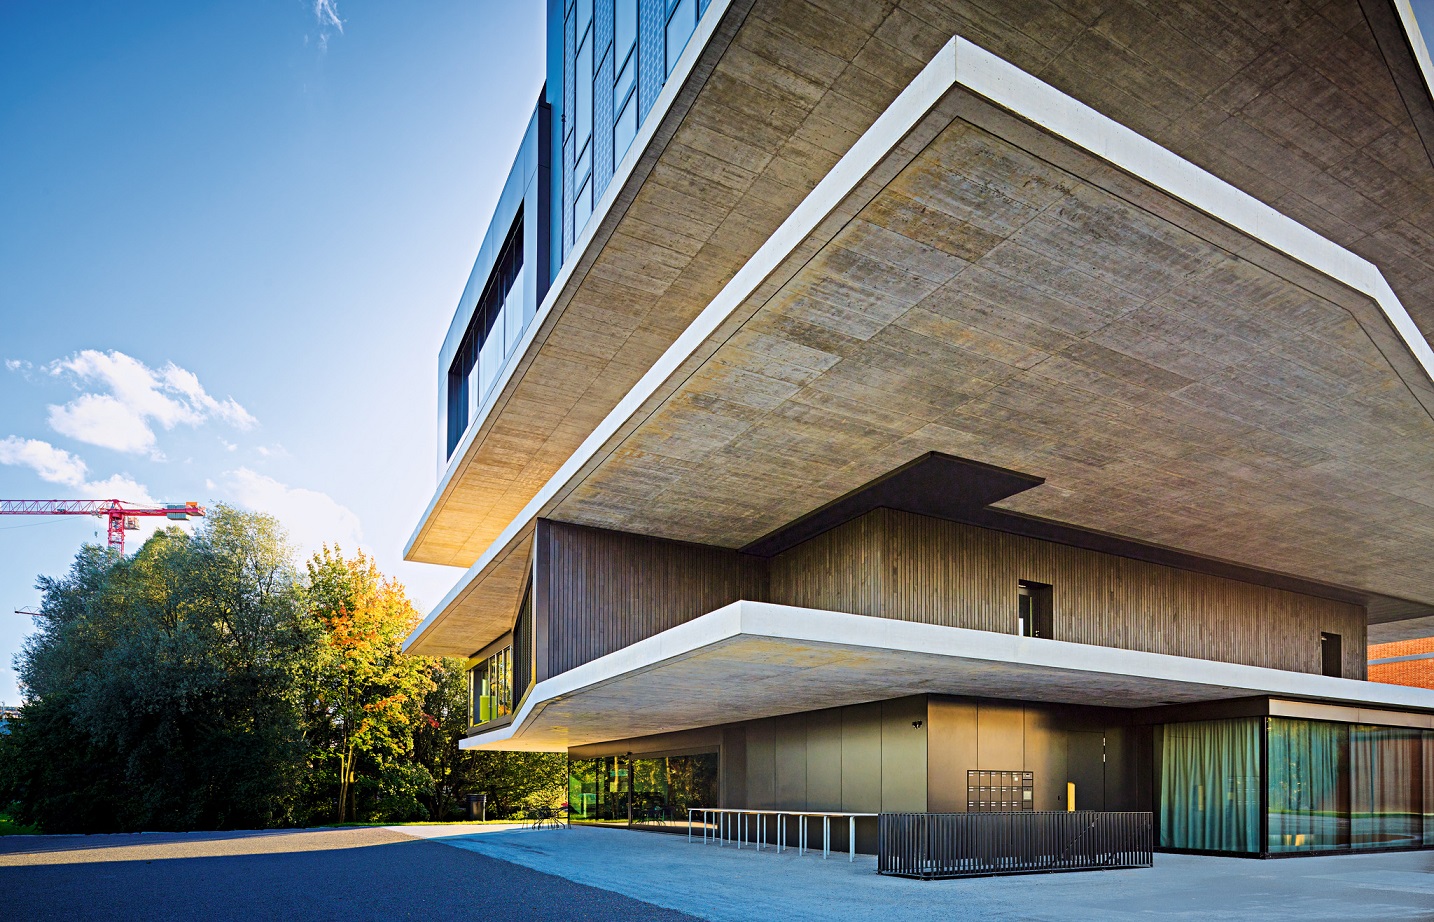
962 64
818 626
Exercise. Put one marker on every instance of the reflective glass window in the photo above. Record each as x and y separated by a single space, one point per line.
583 117
641 790
1386 779
624 29
490 684
1210 785
1309 785
680 26
624 129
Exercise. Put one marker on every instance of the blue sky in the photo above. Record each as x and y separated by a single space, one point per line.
233 236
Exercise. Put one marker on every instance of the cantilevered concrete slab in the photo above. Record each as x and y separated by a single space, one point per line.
751 660
1316 109
998 272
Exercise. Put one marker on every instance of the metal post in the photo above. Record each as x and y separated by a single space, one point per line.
781 828
851 837
802 834
826 836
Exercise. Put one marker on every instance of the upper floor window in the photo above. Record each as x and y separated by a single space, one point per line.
1034 609
681 22
490 683
493 332
624 90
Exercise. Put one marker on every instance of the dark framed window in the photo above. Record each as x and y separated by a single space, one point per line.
493 331
1331 654
1035 606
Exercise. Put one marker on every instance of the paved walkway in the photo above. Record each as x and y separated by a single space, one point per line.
723 883
345 875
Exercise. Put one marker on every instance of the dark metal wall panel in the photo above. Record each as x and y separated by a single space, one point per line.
790 761
1085 758
1044 743
861 758
607 590
761 765
951 752
824 759
1000 736
734 767
916 568
903 755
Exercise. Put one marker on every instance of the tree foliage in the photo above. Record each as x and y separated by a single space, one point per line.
207 683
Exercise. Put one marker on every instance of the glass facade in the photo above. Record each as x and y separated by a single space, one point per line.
641 790
490 687
1327 786
1210 785
616 57
493 332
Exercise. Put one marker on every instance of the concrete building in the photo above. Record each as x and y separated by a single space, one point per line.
957 405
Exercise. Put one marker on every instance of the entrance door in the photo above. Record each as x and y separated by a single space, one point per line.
1085 766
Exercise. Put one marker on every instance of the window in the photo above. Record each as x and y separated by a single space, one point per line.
636 790
1034 609
1331 655
489 338
624 129
490 685
682 20
624 29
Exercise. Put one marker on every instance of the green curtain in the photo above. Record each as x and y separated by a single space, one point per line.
1309 778
1210 785
1386 777
1428 759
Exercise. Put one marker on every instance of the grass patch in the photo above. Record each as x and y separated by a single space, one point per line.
8 827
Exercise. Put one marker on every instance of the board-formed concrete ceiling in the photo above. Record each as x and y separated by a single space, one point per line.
1009 299
1313 107
966 282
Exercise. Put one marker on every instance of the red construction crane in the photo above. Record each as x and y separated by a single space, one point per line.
121 515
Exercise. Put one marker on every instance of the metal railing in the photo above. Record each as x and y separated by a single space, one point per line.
935 845
723 825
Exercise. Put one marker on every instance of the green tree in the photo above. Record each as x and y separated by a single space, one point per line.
162 688
366 695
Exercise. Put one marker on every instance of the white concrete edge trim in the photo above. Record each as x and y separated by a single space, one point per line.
686 62
962 63
818 626
1031 98
1415 34
891 126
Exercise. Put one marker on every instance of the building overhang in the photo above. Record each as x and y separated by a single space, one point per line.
750 660
1305 454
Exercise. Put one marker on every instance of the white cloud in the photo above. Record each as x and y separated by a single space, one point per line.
326 13
134 396
17 365
55 465
311 518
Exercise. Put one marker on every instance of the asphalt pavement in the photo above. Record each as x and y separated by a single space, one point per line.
346 875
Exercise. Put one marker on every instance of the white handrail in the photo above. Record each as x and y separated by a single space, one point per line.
731 823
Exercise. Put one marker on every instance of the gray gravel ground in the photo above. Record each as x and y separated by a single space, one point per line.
347 875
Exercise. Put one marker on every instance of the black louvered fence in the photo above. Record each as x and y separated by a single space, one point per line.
934 845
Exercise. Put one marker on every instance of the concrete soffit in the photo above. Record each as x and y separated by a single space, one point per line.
902 129
750 660
640 157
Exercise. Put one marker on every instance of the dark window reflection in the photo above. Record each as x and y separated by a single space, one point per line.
641 790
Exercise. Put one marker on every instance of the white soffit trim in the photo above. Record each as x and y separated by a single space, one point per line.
686 62
962 64
817 626
1415 34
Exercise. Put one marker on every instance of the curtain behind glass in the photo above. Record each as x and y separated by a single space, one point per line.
1385 780
1429 787
1210 785
1309 780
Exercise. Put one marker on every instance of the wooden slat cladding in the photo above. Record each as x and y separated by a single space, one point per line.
898 565
607 590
